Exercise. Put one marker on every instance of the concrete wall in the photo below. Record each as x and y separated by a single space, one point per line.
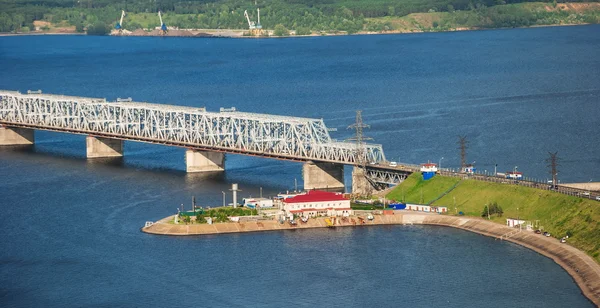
360 184
204 161
97 147
323 176
16 136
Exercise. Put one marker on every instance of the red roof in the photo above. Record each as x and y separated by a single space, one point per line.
316 196
514 172
429 165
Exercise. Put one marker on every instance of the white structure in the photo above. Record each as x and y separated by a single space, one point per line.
258 203
318 203
514 175
439 209
511 222
429 167
470 169
418 207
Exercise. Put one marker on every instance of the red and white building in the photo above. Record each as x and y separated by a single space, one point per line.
318 203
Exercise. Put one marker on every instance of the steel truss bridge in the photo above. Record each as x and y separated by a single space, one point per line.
281 137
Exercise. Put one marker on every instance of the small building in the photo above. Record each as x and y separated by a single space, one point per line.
470 169
439 209
317 203
258 203
512 222
514 175
428 170
418 207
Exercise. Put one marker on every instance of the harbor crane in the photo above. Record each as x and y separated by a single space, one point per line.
254 27
119 25
163 27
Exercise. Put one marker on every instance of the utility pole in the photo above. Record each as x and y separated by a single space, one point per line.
553 164
361 156
462 146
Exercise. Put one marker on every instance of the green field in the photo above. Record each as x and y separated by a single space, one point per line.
557 213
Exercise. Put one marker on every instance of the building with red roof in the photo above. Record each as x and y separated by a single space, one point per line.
318 203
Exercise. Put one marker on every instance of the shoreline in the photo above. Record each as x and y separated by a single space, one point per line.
581 267
214 33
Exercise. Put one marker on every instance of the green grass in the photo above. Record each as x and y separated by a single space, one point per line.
410 190
558 214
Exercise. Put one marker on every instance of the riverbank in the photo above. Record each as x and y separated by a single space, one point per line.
584 270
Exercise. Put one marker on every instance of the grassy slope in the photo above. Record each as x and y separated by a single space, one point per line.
564 13
557 213
410 189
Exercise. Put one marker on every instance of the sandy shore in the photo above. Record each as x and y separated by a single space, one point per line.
584 270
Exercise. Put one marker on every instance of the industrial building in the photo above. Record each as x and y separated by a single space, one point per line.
317 203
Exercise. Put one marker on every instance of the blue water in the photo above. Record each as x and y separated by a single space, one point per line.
71 226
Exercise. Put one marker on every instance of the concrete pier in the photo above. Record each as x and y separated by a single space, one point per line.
360 184
97 147
16 136
323 175
204 161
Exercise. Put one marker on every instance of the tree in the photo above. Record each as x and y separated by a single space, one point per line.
303 31
98 28
485 211
280 30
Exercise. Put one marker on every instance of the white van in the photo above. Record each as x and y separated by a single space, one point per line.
393 164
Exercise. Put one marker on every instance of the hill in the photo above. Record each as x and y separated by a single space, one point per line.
556 213
305 16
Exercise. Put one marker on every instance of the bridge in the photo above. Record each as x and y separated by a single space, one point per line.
206 135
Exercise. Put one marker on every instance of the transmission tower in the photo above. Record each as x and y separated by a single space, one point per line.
359 138
361 158
462 142
553 164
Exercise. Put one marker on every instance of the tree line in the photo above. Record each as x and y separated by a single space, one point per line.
315 15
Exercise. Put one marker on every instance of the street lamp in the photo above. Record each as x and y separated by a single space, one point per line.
440 163
223 198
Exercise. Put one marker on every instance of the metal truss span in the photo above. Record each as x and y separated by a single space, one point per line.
292 138
386 176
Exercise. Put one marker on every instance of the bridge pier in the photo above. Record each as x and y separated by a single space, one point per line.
204 161
323 175
97 147
16 136
360 184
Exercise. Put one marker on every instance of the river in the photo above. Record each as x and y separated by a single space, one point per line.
71 226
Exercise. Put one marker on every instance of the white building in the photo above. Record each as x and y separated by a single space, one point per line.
258 203
418 207
317 203
511 222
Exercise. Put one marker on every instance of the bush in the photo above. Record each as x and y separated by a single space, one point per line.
303 31
98 28
280 30
25 29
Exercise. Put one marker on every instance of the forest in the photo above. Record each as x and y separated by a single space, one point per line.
349 16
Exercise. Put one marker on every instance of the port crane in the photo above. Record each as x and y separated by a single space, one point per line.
163 27
119 25
255 28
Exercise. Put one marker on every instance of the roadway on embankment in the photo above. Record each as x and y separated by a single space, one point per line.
584 270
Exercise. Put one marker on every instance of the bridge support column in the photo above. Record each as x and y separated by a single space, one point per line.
97 147
323 175
204 161
360 184
16 136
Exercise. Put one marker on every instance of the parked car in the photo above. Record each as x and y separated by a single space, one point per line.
563 240
598 198
546 233
538 232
